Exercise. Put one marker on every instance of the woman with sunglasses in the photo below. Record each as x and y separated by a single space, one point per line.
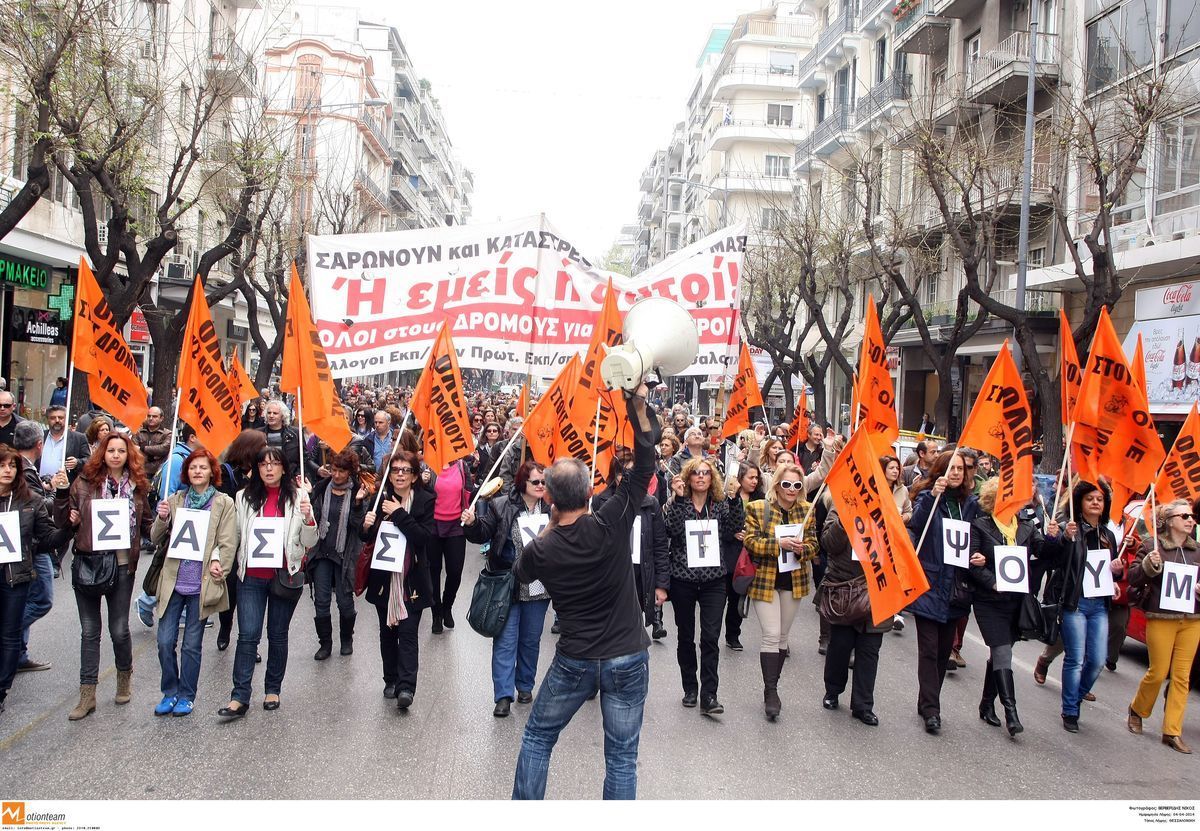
507 522
364 422
252 419
487 451
1171 635
698 494
399 597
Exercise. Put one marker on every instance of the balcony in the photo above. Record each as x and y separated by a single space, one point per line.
773 32
371 126
826 137
1002 74
1039 304
403 190
833 42
364 182
230 67
723 136
304 167
957 9
406 109
884 98
875 15
950 105
921 32
406 79
402 148
740 76
646 206
306 103
750 181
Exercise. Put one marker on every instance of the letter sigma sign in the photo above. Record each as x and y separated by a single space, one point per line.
390 546
10 537
1012 568
1178 593
1097 575
189 533
787 559
110 524
531 525
703 547
956 543
268 536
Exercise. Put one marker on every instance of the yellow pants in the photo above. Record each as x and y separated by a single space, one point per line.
1171 643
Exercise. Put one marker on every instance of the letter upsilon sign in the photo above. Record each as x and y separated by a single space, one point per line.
787 559
390 545
110 524
956 543
268 536
635 541
1178 592
1012 568
531 525
188 534
703 547
1097 576
10 537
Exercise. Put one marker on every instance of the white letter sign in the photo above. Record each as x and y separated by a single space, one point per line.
703 544
265 546
1097 576
110 524
1178 588
189 534
10 537
1012 568
531 525
390 545
787 559
956 543
635 541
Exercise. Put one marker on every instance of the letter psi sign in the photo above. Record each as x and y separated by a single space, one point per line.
787 559
266 543
390 546
1178 592
110 524
956 543
1012 568
188 534
703 544
10 537
1097 575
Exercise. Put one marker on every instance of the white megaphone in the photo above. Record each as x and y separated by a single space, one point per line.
660 338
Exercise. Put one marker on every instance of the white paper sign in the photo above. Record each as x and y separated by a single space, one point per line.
110 524
635 541
787 559
531 525
1012 568
703 544
537 587
956 543
189 533
1178 592
10 537
390 545
1097 576
268 535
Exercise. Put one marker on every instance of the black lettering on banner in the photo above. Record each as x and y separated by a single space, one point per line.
1094 567
1003 566
107 533
1177 585
957 542
701 535
384 545
262 537
8 548
186 535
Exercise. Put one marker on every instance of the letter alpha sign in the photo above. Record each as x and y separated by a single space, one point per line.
1178 592
703 547
266 543
10 537
110 524
956 543
1097 576
1012 569
390 546
189 533
787 559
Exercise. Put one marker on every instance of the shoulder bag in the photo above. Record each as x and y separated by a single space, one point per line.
845 603
491 600
743 573
94 574
288 586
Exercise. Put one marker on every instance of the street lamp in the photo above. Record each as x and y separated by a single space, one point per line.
679 180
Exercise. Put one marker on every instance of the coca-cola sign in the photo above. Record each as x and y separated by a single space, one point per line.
1168 301
1172 353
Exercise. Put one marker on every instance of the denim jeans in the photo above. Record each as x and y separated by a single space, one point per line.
569 682
255 602
515 651
117 600
1085 640
40 600
327 582
12 607
173 682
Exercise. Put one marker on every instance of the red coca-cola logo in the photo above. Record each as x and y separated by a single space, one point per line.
1155 356
1178 294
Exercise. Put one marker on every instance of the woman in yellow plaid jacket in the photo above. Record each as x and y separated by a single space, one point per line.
783 575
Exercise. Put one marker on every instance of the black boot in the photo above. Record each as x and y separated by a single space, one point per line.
772 664
1008 698
987 704
346 632
659 631
324 637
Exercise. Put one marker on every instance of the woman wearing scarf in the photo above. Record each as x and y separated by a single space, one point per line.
113 471
339 504
515 651
240 458
400 596
194 587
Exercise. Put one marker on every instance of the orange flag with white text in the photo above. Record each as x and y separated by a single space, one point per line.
541 427
523 402
1001 425
439 404
876 393
868 512
306 372
744 395
99 350
583 431
208 399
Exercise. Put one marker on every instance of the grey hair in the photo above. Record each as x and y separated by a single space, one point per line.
1164 511
26 436
690 431
568 484
287 416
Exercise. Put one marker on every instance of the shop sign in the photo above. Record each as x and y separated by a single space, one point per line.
38 326
235 332
139 332
1167 301
22 274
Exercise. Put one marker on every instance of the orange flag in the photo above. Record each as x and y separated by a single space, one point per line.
541 427
1001 425
579 435
1138 366
868 512
743 395
1180 474
854 403
798 431
208 399
523 402
876 394
1114 433
439 404
99 350
306 374
1068 373
241 379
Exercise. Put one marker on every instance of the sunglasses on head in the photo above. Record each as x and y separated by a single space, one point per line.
791 486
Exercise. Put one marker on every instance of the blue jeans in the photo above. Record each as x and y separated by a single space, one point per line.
1085 640
12 607
173 683
623 683
255 602
515 652
40 599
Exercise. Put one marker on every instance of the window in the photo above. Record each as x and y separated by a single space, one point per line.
1178 164
820 107
1120 42
849 192
815 199
772 218
308 83
875 184
881 60
971 47
931 289
1037 257
779 115
777 167
782 63
20 143
1131 205
1183 25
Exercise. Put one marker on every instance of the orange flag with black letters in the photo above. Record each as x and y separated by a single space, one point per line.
868 512
207 398
1068 373
1001 425
439 404
876 394
744 395
1180 474
798 431
306 373
541 427
584 431
99 350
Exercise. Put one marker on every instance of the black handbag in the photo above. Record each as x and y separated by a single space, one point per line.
491 600
288 586
962 593
1030 622
150 581
94 574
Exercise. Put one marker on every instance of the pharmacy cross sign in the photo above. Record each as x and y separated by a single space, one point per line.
63 302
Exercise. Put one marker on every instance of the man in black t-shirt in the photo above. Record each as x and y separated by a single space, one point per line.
584 562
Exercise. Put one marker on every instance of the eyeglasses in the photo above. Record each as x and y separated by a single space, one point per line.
407 471
791 486
702 473
6 406
1180 516
537 483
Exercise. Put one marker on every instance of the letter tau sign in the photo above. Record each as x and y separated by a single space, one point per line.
787 559
268 536
703 544
390 546
189 533
1012 568
10 537
110 524
956 543
1097 576
1178 592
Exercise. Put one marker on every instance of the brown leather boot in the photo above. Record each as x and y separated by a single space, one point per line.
124 686
1134 722
87 702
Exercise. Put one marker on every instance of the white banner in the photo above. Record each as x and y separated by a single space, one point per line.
10 537
635 541
110 524
517 295
956 543
390 546
1097 574
1178 592
703 544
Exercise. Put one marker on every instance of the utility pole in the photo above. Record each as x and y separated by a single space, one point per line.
1026 180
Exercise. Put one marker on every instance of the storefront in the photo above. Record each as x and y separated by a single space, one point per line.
35 313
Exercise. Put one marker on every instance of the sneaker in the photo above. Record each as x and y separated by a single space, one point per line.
897 624
30 665
734 644
145 615
1111 666
183 707
711 707
165 706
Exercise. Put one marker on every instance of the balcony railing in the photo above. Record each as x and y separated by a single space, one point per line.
836 121
375 125
765 71
1014 49
772 29
304 166
306 102
943 312
896 88
913 16
843 24
224 50
364 181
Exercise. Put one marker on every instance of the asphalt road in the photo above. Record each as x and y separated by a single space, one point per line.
336 737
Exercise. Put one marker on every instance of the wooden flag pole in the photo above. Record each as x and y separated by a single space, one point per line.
936 500
596 435
67 415
300 429
495 465
1063 480
166 482
387 469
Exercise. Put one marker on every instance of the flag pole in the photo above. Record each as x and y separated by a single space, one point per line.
300 429
387 470
936 500
171 451
1153 519
495 465
67 414
1063 480
596 436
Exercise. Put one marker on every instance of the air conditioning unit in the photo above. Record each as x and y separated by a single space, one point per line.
102 235
177 271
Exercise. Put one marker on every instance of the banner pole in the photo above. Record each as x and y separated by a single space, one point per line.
936 500
67 414
596 436
495 465
300 429
171 452
1153 519
387 468
1063 480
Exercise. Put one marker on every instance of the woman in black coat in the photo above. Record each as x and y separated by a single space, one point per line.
410 508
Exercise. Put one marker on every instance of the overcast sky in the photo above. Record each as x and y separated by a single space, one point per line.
557 106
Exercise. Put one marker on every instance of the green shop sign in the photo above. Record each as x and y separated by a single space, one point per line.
18 273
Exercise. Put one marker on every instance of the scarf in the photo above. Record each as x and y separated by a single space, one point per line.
535 590
343 516
396 610
1008 529
123 489
199 501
